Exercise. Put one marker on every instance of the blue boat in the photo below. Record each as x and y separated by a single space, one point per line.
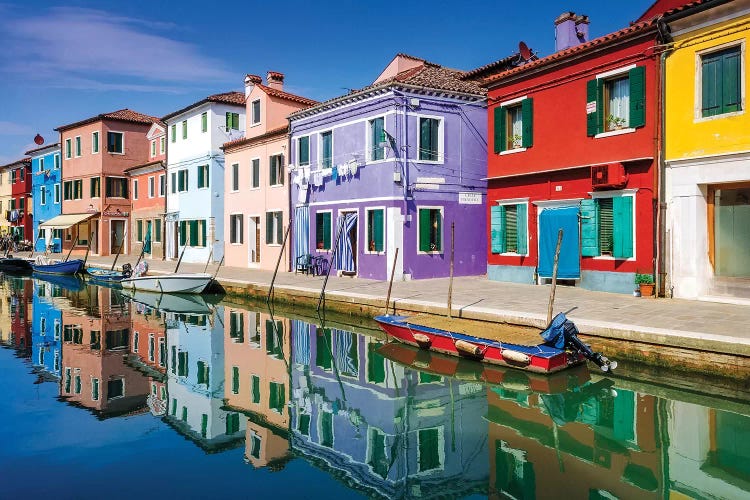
68 267
105 276
72 283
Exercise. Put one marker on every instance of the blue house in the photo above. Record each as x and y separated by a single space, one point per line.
46 175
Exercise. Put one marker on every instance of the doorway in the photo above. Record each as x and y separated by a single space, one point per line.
117 235
254 239
347 243
551 220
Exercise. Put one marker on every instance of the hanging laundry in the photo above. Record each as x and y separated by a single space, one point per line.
327 172
335 173
353 166
302 193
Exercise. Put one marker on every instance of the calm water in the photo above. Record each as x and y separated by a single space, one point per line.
103 395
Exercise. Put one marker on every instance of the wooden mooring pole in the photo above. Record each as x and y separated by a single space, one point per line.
554 277
390 283
450 282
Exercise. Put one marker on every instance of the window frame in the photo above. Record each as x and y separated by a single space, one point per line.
206 176
441 139
186 183
441 209
252 173
162 185
298 150
369 146
253 121
42 195
173 131
234 177
122 134
204 122
505 203
57 193
619 194
321 159
135 189
280 170
184 130
95 181
95 142
232 227
78 146
40 162
599 111
68 148
152 186
162 144
330 223
278 233
699 55
153 148
367 230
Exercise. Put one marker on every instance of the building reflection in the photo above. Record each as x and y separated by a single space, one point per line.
17 308
148 353
46 332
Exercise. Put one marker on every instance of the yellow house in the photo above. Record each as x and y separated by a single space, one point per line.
707 152
5 197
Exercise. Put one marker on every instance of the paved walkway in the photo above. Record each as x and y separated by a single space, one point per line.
715 327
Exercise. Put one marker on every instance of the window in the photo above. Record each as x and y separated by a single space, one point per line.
323 230
153 148
235 228
57 161
14 176
235 177
303 150
43 195
429 139
117 187
204 373
202 176
95 187
78 145
193 233
377 138
232 121
255 389
326 149
115 142
233 423
41 164
255 443
276 397
607 227
274 228
57 193
430 230
151 187
174 133
182 364
73 190
375 230
513 125
135 189
174 182
276 170
429 448
95 389
616 101
157 231
21 203
204 121
184 129
255 112
182 180
375 364
162 185
94 142
162 145
255 167
68 148
235 380
721 82
139 230
274 336
508 228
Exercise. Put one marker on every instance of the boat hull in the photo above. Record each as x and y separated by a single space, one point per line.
105 276
68 267
15 265
169 283
539 359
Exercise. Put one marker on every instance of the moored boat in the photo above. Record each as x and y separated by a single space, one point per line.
174 303
73 282
108 276
44 265
553 349
169 283
15 265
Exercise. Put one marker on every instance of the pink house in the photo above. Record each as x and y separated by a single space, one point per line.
256 183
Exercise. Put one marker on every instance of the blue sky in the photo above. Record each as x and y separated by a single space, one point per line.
65 61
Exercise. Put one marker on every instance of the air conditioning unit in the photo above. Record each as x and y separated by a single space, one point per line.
608 176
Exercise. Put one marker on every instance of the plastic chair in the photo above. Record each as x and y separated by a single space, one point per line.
303 264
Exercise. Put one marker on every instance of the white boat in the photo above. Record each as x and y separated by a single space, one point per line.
169 283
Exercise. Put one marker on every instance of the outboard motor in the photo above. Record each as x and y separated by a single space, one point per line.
563 334
127 270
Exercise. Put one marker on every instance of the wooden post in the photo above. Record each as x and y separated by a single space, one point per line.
178 260
554 277
390 283
450 282
88 247
278 262
78 230
117 255
218 267
210 255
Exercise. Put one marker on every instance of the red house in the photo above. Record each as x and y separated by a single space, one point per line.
574 146
20 207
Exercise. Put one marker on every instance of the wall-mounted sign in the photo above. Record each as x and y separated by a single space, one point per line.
590 107
466 198
116 213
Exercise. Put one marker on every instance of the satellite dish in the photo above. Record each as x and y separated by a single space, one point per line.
39 140
525 51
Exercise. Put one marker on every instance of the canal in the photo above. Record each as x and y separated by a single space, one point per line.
108 395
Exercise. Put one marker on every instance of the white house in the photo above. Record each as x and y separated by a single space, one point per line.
195 175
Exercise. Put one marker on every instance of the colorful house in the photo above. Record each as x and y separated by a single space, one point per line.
707 152
195 169
46 333
46 189
148 188
393 166
19 208
6 195
95 196
573 148
256 184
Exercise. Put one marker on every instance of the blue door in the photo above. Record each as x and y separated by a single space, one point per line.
551 220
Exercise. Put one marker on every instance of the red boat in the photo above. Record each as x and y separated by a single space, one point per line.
551 350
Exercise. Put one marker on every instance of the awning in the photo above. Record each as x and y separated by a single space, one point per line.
67 220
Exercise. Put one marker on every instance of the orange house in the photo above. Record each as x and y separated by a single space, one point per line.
95 189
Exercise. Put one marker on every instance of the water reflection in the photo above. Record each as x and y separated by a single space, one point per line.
384 420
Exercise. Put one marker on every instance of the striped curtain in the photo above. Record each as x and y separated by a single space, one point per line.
301 231
344 250
343 341
301 342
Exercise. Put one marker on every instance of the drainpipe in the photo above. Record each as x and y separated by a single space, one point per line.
660 271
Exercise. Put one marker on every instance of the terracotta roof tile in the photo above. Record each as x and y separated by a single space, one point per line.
286 95
144 165
248 140
123 115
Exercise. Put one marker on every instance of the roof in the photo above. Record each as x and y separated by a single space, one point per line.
17 162
661 6
286 95
122 115
426 76
249 140
145 165
233 97
31 152
510 61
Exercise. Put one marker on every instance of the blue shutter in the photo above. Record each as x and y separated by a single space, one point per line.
622 207
521 229
497 228
589 228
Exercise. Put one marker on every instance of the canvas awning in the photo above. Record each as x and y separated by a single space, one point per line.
67 220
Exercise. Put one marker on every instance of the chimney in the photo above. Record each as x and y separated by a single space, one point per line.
570 30
250 82
275 80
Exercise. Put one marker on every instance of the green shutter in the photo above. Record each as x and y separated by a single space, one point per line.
183 232
424 230
203 233
731 95
521 228
527 118
139 230
272 171
228 121
439 232
377 229
193 233
280 177
497 228
256 173
500 133
592 119
375 364
589 228
235 380
269 227
256 389
200 175
204 122
327 230
637 78
323 357
304 150
622 206
710 86
279 228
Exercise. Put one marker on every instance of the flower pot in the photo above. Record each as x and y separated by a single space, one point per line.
647 289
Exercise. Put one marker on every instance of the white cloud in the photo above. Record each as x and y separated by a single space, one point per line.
90 49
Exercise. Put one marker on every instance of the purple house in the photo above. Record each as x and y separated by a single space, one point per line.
393 166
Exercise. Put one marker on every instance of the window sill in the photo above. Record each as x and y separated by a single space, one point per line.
612 133
376 162
276 185
255 188
115 153
368 252
436 252
512 151
610 258
431 162
233 191
255 124
273 244
237 244
700 119
323 250
511 254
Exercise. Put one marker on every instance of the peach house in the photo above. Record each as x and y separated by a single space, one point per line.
256 187
95 195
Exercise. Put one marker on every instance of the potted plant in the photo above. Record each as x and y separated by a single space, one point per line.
615 122
645 283
516 141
